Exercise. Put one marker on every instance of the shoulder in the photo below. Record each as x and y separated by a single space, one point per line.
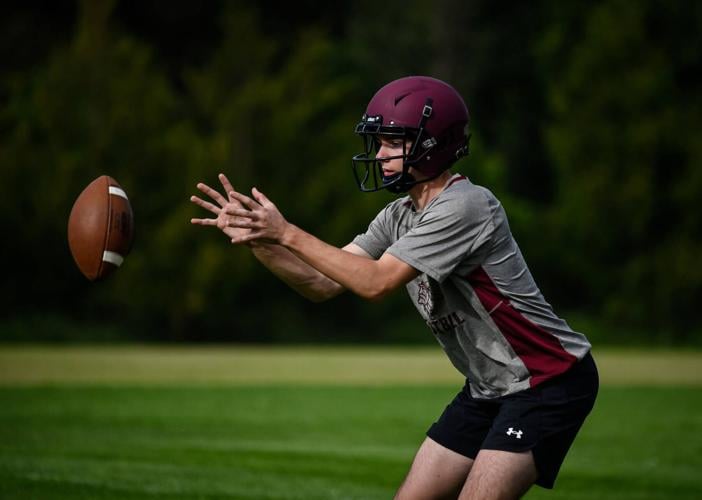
463 197
397 207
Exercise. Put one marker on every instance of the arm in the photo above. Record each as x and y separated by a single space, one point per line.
369 278
297 274
301 277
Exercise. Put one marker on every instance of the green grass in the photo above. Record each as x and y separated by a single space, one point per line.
119 436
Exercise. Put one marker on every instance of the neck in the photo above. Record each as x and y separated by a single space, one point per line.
423 193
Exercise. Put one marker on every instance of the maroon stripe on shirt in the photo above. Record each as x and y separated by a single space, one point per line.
539 350
454 180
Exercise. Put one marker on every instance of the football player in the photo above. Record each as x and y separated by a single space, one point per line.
530 379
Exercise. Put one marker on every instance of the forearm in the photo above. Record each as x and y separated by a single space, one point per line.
359 274
347 268
297 274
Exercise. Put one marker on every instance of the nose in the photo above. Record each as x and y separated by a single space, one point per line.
382 152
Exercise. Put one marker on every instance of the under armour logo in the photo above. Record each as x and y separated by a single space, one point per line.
511 432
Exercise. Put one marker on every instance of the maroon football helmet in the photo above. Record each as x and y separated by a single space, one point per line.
424 111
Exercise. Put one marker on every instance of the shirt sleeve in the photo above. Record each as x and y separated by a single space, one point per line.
377 237
450 231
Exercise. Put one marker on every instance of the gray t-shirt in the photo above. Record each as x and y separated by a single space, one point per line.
475 291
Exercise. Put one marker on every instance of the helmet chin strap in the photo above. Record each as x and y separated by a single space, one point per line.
402 182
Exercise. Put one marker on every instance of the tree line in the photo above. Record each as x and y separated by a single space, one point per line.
584 122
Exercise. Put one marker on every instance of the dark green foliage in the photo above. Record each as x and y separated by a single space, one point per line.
626 102
584 114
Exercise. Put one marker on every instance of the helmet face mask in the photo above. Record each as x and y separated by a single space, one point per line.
428 115
368 166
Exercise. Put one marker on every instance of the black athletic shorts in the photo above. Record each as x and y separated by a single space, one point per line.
544 419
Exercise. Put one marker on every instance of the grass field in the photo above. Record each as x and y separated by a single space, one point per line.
314 423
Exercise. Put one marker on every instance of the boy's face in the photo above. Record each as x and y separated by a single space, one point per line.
391 147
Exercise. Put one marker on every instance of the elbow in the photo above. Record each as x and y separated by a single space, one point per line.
375 293
381 279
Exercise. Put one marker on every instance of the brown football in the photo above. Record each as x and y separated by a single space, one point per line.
100 228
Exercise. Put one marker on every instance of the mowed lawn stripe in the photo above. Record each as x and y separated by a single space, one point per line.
250 365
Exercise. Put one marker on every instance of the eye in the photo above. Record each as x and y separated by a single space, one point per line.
394 143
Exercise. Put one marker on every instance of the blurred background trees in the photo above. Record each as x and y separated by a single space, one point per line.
584 123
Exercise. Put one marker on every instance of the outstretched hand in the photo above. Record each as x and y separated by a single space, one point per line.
258 216
218 208
241 218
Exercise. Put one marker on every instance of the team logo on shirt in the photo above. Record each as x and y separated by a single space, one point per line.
445 324
430 299
424 297
429 296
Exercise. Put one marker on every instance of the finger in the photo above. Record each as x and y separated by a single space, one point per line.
241 223
212 193
204 222
205 204
241 212
243 199
226 184
260 197
244 221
